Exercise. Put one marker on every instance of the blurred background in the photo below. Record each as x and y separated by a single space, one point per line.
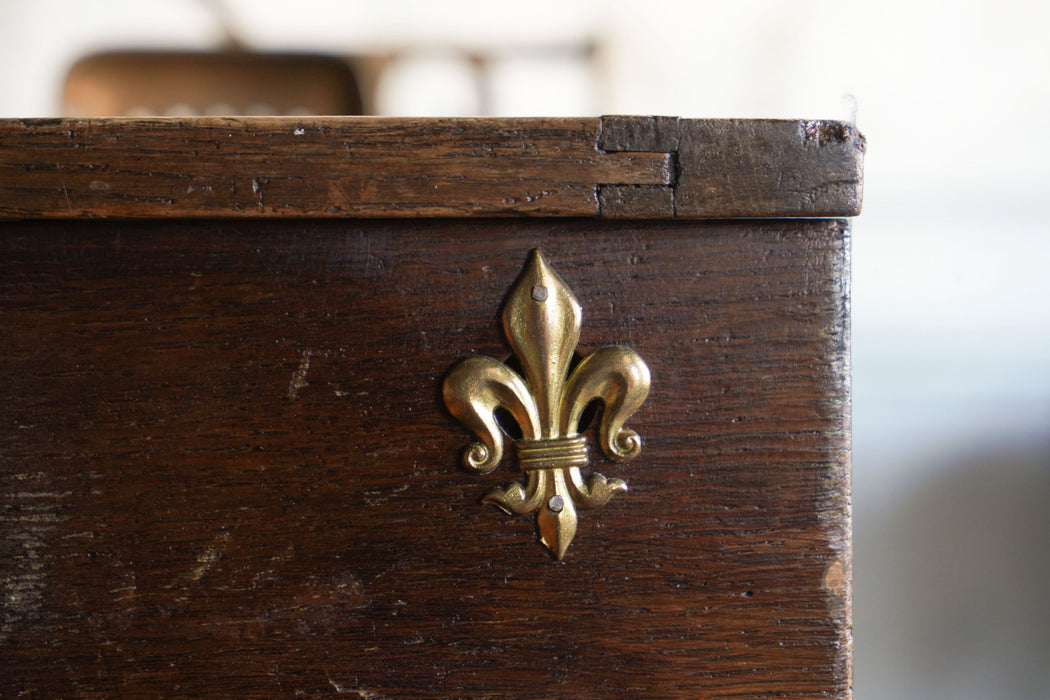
951 291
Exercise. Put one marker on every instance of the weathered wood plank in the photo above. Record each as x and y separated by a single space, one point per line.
734 168
729 168
371 167
227 469
349 166
636 201
622 133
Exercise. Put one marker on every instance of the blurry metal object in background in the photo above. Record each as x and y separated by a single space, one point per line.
147 83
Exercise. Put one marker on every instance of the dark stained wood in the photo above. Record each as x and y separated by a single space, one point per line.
351 166
225 462
373 167
621 133
227 471
735 168
729 168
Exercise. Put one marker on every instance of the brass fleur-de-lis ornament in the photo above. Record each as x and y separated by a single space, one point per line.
542 320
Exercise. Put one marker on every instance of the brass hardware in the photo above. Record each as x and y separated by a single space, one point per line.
542 320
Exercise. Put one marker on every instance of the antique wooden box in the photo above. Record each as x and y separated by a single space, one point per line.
236 408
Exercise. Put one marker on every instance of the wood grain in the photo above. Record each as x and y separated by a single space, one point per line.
731 167
227 470
636 201
382 167
352 166
623 133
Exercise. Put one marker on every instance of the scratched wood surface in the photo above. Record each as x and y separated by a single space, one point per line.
614 167
226 468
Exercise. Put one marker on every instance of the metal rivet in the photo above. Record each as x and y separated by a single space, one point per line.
539 293
555 504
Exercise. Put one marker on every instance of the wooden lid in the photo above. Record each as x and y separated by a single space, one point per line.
612 167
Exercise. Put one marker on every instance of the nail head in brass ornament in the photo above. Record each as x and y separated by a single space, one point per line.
542 320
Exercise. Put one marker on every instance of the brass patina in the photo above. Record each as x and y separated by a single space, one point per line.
542 320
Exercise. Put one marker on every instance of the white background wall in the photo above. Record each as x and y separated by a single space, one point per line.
951 286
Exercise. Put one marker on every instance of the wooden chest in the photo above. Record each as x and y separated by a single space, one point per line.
236 408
